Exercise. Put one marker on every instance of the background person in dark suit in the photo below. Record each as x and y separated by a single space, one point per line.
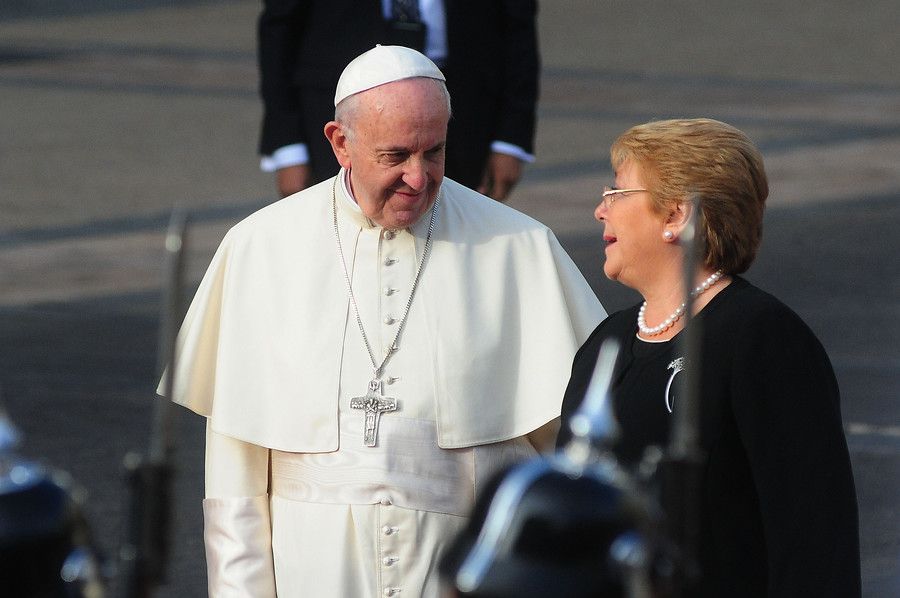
487 49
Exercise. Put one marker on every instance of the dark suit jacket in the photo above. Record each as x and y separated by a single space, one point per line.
491 69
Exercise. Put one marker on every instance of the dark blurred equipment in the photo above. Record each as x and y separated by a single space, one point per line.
684 459
573 525
145 548
577 524
45 544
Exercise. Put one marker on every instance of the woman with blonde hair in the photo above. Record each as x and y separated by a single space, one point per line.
778 512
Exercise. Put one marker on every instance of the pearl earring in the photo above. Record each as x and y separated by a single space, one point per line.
668 235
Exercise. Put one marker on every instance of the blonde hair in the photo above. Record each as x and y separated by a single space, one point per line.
717 164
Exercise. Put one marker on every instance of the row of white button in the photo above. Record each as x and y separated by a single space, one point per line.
389 320
387 530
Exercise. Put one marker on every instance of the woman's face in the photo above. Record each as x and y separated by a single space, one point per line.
632 231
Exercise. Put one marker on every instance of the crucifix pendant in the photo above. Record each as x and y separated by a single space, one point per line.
373 405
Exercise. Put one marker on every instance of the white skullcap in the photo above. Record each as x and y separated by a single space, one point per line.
384 64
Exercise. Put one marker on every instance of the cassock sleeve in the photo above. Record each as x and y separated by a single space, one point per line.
237 527
787 408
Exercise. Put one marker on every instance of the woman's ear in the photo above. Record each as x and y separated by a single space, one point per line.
679 217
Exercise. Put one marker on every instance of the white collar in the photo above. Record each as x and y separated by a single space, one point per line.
348 202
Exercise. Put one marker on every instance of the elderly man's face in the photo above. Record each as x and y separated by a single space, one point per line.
395 153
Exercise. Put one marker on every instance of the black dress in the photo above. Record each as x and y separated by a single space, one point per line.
778 504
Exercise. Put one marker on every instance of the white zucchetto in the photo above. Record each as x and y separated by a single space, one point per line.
384 64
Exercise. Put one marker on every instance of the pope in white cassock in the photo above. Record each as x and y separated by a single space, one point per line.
367 352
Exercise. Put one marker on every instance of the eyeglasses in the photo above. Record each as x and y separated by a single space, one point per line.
610 195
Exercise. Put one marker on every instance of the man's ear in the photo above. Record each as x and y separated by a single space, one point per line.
337 137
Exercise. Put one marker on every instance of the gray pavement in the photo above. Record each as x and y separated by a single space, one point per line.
112 112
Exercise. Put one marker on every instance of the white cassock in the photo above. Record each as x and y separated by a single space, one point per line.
271 353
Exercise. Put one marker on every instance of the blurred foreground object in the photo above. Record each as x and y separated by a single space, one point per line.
572 525
578 524
45 544
46 549
145 548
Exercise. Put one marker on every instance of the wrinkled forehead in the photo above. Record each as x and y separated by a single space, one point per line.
412 95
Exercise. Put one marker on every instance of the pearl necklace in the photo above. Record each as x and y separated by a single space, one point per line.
676 315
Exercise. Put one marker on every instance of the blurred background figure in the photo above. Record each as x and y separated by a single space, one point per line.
487 49
778 512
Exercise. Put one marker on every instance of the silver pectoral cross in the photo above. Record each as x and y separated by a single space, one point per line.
373 404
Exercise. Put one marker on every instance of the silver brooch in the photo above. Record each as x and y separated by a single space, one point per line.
676 366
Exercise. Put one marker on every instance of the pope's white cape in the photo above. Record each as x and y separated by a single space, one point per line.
260 349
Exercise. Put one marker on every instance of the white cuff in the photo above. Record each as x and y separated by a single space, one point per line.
502 147
238 538
289 155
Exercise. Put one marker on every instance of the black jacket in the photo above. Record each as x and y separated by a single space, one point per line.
777 504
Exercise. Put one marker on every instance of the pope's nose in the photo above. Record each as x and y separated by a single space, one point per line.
416 175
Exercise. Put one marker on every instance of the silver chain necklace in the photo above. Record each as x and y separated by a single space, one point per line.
373 403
